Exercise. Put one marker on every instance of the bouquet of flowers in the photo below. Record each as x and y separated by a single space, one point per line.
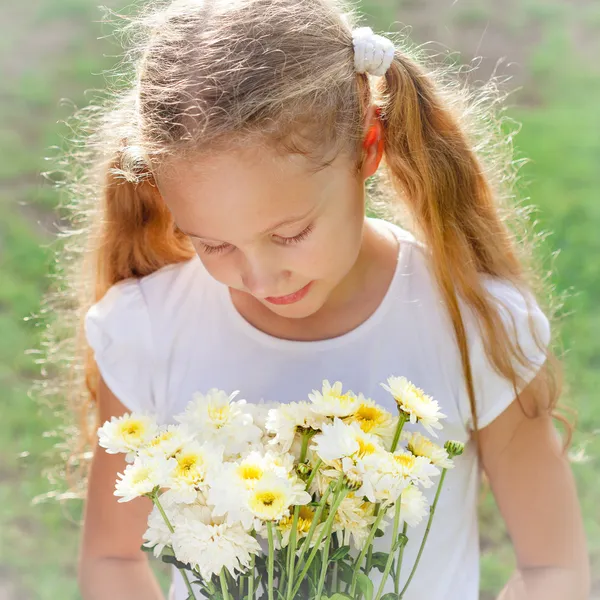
283 501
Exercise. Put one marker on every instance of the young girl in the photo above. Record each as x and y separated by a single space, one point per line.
230 248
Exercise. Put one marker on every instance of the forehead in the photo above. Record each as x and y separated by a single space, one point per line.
245 190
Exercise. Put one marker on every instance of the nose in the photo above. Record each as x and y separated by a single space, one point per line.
260 276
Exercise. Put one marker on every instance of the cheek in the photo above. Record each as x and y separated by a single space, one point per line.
334 251
219 268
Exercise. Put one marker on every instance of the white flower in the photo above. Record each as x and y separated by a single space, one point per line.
330 402
355 517
419 445
418 469
217 419
272 496
193 464
335 441
341 439
210 546
167 441
374 420
143 476
229 489
260 412
284 421
384 481
415 403
127 434
413 506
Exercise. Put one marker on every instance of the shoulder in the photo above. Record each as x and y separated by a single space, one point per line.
528 329
124 330
520 312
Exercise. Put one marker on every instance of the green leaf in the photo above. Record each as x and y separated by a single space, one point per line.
345 572
379 533
146 548
171 560
340 553
340 596
389 596
366 586
379 560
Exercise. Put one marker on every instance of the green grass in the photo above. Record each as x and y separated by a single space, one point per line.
38 544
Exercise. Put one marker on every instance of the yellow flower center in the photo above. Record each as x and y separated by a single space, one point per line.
368 417
132 429
344 398
250 473
163 437
218 414
189 467
406 460
140 476
267 504
365 448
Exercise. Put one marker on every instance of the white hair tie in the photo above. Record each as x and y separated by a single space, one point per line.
372 53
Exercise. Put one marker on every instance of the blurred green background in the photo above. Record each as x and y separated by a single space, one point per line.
53 49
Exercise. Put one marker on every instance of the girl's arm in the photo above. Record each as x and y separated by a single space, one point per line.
535 491
111 564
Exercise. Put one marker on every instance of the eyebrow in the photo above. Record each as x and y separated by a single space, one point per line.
287 221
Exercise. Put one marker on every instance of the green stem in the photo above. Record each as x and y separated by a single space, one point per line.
402 418
251 579
325 558
188 585
291 550
315 521
271 559
340 493
399 564
224 589
334 579
431 513
390 559
211 588
361 556
304 447
313 473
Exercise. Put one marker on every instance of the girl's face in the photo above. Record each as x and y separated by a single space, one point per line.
268 227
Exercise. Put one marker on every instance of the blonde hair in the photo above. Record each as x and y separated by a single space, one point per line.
204 75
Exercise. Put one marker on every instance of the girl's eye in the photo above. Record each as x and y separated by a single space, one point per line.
214 249
282 240
297 238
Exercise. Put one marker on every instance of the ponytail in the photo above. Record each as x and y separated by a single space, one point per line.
434 168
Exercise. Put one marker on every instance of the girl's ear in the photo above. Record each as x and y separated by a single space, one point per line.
373 142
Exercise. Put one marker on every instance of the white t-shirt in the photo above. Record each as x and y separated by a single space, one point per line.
159 339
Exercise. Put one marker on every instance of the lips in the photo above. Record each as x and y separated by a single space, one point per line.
290 298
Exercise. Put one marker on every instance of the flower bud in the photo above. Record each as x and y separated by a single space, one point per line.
454 448
352 480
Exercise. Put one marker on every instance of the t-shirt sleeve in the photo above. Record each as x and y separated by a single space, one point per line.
117 329
520 314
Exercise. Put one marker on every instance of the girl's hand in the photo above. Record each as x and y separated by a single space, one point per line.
535 491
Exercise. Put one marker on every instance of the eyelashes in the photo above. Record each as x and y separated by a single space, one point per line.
282 240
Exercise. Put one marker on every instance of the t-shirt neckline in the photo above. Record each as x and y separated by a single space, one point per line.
375 317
